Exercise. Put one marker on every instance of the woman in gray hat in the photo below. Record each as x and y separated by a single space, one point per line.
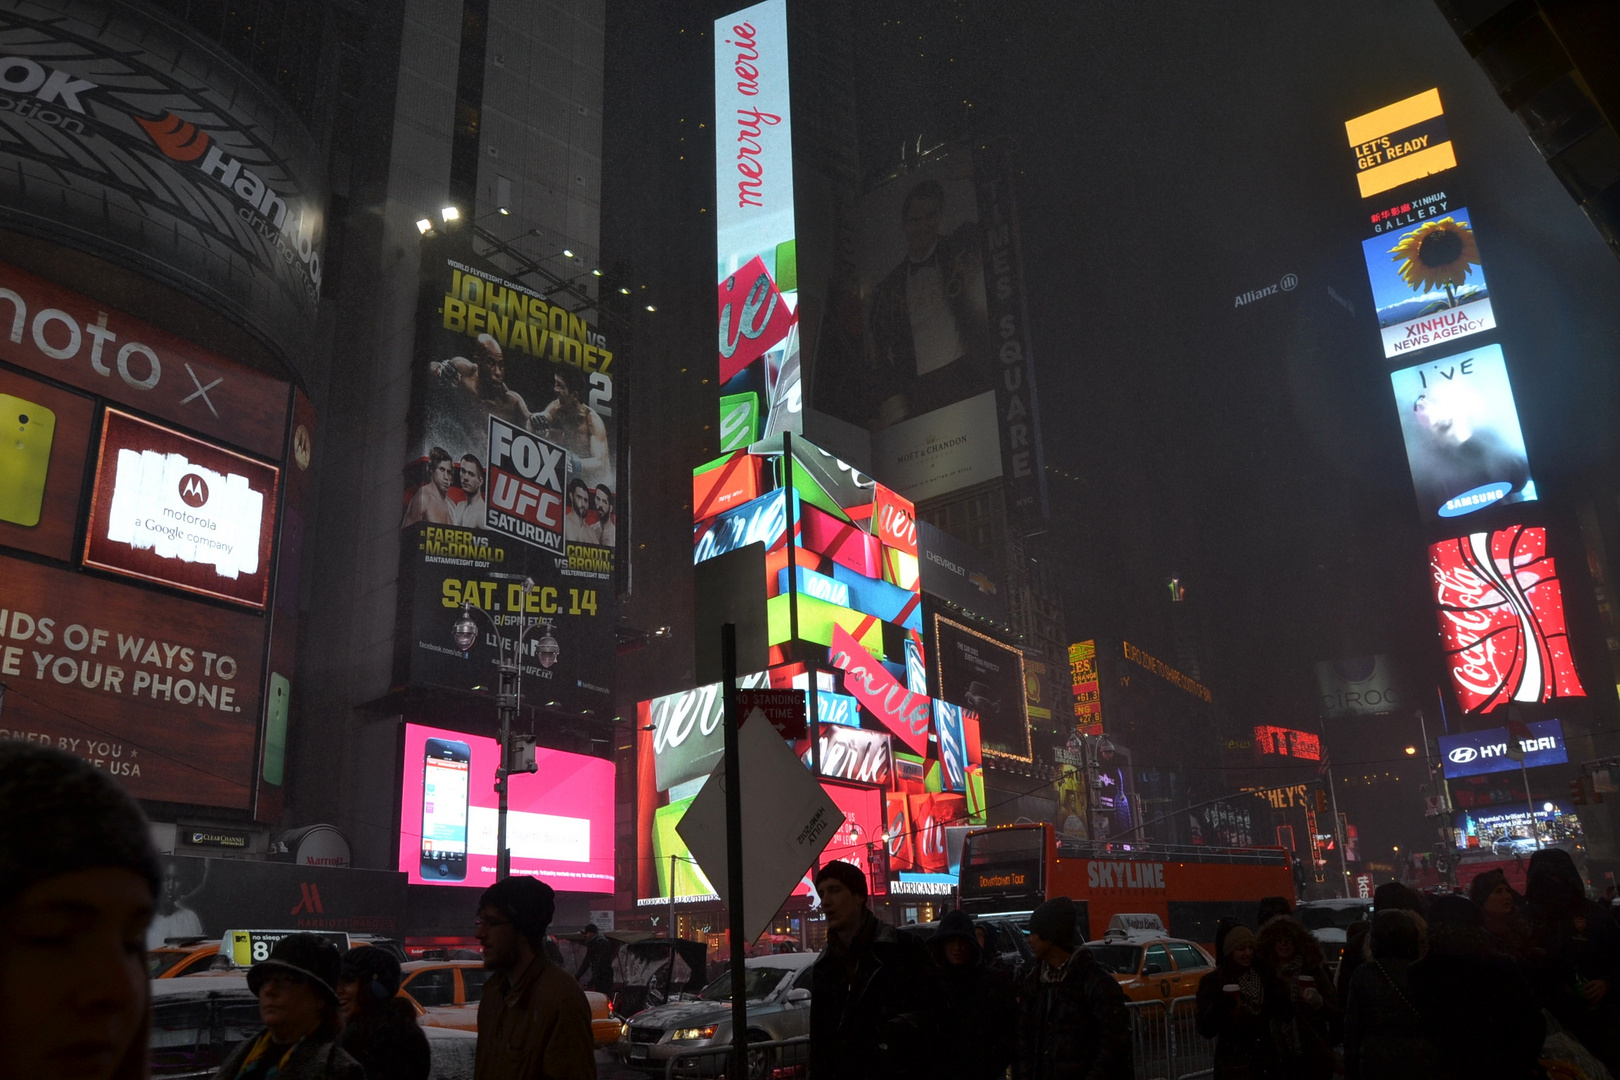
298 1002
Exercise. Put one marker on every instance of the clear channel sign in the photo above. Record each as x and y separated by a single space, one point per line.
788 819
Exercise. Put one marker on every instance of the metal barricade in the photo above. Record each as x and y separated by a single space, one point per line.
1191 1055
781 1059
1165 1044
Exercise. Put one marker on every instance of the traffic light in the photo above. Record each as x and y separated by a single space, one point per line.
1577 791
1321 801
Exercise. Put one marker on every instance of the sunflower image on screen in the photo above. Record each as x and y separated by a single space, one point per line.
1429 286
1439 254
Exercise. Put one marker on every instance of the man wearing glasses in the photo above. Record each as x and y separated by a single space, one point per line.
533 1020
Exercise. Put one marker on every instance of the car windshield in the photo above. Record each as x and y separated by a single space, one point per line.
1117 959
1332 918
758 983
159 961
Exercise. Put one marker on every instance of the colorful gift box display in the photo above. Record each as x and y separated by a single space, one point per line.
725 483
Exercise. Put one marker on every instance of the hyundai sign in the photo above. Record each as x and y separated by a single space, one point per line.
1486 751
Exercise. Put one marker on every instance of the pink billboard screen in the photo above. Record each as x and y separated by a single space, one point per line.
559 819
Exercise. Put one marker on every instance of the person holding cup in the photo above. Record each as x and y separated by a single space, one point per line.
1231 1009
1303 1011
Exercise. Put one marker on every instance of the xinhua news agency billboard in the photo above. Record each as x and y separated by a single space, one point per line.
1480 752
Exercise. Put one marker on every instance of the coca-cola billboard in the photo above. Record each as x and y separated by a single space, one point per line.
1501 615
687 739
906 714
852 753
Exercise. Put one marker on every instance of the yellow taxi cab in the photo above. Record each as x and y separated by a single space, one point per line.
448 991
182 957
1146 961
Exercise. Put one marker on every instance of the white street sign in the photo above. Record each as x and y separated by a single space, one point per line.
787 820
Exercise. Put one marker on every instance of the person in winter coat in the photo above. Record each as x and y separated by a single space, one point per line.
1504 914
379 1028
596 970
978 1005
1464 987
1355 947
872 995
1231 1010
1577 962
1385 1037
1390 896
1301 1009
1072 1023
533 1020
298 1002
75 901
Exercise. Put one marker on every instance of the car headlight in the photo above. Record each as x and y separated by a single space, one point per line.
688 1034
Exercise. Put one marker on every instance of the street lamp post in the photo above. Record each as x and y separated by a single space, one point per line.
508 698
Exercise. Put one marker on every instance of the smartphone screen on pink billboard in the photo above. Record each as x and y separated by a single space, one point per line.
559 818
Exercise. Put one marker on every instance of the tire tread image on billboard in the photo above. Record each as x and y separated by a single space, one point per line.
559 825
1462 434
181 512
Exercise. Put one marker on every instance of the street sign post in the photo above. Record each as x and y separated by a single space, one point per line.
789 818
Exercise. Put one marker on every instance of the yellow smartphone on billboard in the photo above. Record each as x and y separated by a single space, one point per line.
26 431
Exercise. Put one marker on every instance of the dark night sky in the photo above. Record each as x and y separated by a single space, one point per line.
1175 155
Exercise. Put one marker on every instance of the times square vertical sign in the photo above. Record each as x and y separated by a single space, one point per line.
755 242
1496 594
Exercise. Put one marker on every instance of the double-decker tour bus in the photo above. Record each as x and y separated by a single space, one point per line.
1013 868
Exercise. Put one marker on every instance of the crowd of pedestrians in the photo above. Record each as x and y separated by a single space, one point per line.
885 1005
1478 987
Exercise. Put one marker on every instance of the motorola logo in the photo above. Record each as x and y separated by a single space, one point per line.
193 490
1462 755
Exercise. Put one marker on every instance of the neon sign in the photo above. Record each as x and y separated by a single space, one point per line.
1501 615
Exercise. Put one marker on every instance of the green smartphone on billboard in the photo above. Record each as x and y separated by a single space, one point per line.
275 730
26 431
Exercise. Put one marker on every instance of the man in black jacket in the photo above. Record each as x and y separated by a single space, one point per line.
1073 1024
596 970
979 1021
872 1000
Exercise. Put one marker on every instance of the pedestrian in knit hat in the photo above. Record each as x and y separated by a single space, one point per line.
74 994
873 993
533 1019
1072 1019
1054 922
1231 1009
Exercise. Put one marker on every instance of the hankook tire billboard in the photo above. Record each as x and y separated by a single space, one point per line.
123 137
